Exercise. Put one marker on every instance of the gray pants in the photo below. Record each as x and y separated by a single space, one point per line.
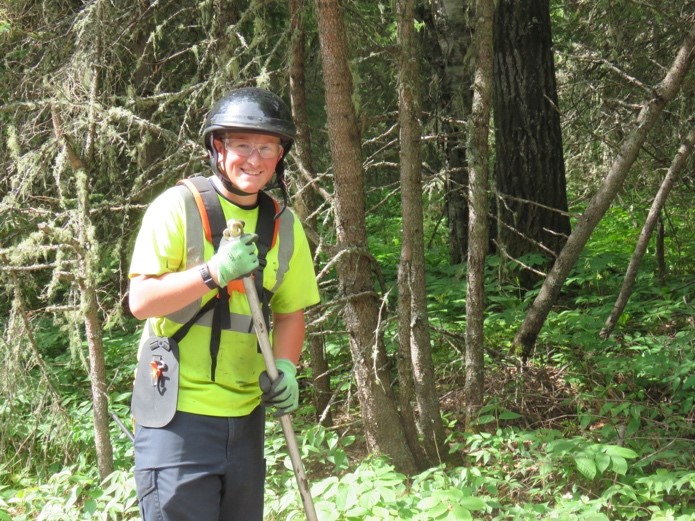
201 468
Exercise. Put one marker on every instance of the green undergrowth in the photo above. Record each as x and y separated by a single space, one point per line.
589 429
625 452
509 473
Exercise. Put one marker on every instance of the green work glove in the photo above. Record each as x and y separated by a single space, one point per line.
235 259
283 393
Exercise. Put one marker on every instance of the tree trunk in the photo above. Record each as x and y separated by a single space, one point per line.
308 201
529 165
657 205
382 424
414 337
478 208
453 34
533 322
86 278
97 368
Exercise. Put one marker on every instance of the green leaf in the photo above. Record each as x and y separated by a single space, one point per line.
122 397
585 420
621 452
459 513
326 488
346 498
509 415
428 503
586 466
619 465
381 512
440 511
472 503
689 382
90 506
602 462
632 426
327 511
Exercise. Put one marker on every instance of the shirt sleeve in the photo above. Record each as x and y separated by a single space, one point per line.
160 246
299 288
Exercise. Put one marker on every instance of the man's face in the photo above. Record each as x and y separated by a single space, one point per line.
248 159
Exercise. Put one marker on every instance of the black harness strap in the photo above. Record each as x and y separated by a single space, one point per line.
265 229
215 216
183 330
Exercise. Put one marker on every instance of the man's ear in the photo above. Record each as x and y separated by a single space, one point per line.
219 146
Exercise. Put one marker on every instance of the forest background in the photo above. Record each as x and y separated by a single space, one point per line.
499 199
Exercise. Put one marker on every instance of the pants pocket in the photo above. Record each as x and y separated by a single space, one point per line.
145 485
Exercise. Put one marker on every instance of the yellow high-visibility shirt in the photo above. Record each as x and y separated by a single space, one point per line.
167 242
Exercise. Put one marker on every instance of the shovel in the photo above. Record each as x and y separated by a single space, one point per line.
235 229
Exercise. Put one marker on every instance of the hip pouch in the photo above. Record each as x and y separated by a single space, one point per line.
156 387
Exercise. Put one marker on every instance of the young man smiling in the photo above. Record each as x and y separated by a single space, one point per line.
206 462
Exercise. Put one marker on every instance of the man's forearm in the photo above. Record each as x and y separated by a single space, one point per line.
165 294
288 335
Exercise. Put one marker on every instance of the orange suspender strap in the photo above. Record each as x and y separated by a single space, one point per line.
236 285
201 207
212 217
276 224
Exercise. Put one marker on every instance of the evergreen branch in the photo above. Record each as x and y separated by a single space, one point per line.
63 236
122 114
20 310
61 309
33 267
312 180
591 58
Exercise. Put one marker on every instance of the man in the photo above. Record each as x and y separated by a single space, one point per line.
206 462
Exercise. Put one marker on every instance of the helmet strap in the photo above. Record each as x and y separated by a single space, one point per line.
282 184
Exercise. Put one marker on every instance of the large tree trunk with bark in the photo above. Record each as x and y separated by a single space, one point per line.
453 33
478 208
382 423
535 318
413 330
643 241
529 165
307 202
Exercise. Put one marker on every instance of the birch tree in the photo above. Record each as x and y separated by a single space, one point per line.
453 34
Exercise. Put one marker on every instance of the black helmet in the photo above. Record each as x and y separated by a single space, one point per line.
252 110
